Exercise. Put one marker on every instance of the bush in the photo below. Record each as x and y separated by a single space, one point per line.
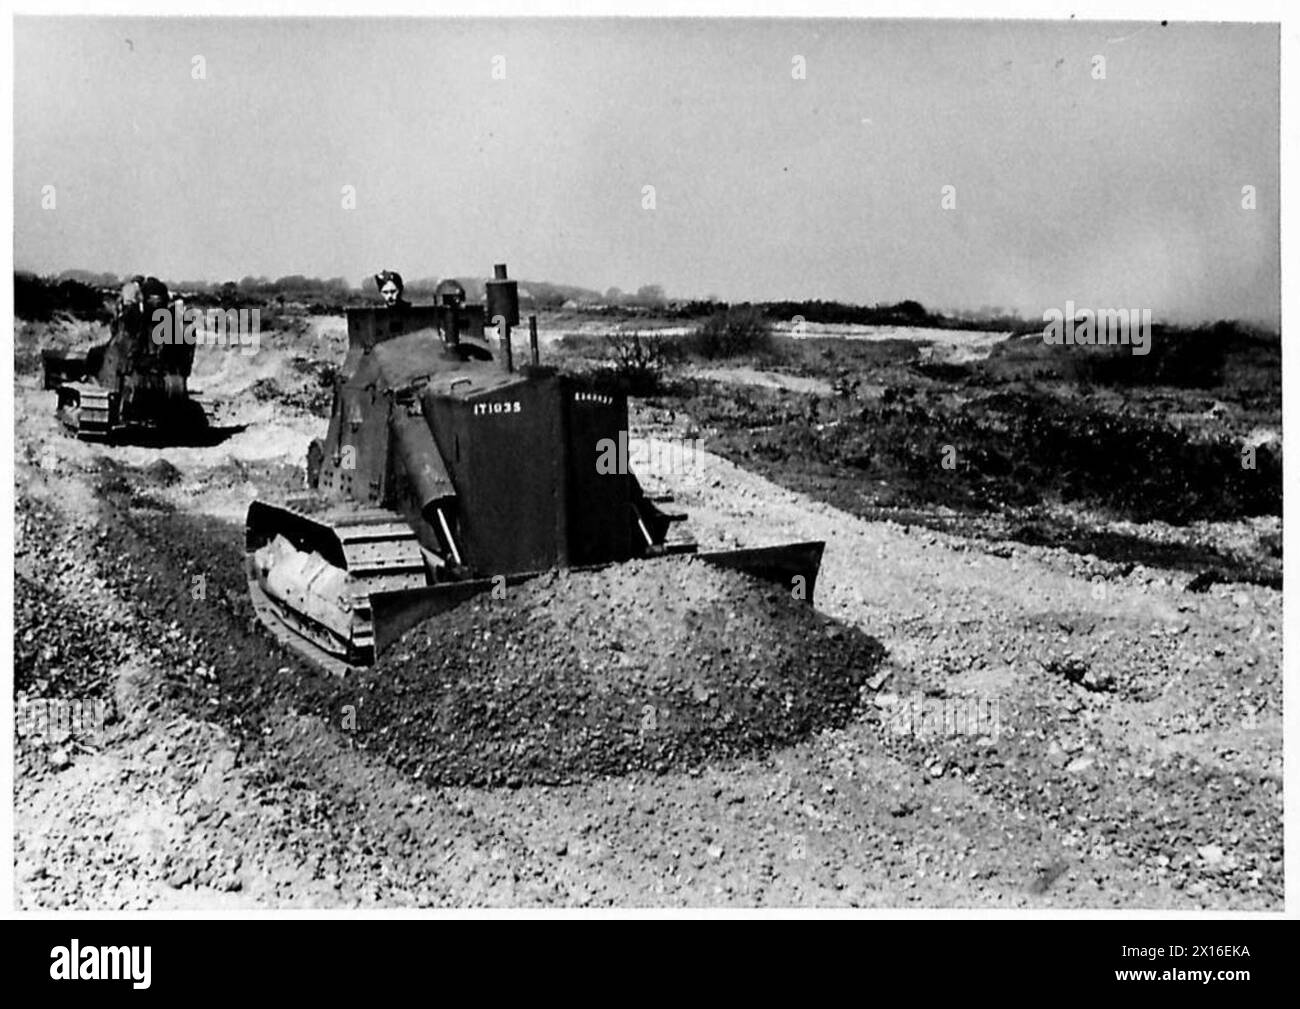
639 360
742 331
40 299
1198 357
1184 358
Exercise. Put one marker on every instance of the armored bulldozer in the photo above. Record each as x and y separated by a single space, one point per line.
132 381
446 472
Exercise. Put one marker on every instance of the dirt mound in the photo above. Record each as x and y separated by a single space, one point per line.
648 666
645 666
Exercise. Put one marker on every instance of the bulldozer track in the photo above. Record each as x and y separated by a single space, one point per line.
374 546
91 418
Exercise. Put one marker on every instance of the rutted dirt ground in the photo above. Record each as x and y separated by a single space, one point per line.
1129 752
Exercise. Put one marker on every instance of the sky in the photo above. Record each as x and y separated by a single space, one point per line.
787 159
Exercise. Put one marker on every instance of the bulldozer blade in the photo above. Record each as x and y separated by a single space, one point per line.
397 612
386 614
783 565
393 613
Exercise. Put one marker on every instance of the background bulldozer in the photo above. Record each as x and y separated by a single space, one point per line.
445 473
131 381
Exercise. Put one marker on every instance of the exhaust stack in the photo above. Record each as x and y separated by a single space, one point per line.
503 309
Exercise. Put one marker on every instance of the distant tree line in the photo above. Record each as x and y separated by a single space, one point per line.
902 313
89 295
40 298
85 293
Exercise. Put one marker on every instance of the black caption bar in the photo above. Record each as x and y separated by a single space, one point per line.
338 957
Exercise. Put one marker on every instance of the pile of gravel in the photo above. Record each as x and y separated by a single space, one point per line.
651 665
644 666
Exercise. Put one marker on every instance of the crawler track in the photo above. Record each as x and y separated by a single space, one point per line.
374 547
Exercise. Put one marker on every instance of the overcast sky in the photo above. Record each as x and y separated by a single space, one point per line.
1122 192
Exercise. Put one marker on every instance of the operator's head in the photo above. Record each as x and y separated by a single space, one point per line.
155 291
389 283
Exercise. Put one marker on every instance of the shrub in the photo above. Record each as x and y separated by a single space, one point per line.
40 299
640 360
741 331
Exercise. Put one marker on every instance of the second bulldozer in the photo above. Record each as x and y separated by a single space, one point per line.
131 382
446 473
